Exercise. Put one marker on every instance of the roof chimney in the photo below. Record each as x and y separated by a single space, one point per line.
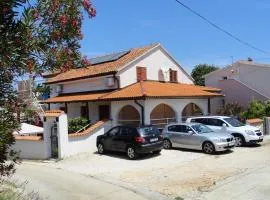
250 59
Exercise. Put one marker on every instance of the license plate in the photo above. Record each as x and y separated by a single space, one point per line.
153 139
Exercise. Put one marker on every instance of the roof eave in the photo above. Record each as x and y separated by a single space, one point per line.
81 78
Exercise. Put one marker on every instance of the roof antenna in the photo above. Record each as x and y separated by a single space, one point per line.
232 60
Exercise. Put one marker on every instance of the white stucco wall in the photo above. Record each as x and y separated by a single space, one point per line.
87 143
153 61
69 146
83 85
235 91
246 81
91 84
176 104
216 103
116 106
29 149
256 77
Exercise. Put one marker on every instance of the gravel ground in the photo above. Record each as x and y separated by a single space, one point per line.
173 173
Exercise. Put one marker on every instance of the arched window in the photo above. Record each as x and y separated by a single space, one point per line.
129 115
191 110
162 115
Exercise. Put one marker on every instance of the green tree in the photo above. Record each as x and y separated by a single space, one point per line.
44 36
256 109
199 71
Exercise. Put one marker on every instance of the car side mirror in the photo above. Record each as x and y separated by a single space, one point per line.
224 125
191 132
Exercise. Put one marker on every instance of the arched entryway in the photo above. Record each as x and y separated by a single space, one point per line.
162 115
191 109
129 115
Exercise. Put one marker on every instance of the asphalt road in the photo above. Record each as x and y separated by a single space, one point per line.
56 184
252 185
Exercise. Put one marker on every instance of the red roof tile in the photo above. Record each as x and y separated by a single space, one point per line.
100 69
53 113
29 138
139 90
155 89
76 97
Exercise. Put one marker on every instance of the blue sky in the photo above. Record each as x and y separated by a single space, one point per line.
122 24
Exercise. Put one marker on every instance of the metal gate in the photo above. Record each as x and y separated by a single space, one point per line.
54 141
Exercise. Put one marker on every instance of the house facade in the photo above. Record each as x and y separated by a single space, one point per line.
240 82
140 86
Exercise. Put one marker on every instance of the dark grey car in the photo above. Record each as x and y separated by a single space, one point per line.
196 136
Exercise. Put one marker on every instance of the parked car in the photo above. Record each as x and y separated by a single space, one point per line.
132 140
196 136
242 133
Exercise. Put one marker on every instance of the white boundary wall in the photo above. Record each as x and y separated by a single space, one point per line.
68 146
86 143
29 149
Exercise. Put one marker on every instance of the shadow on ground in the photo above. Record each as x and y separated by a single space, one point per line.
201 152
122 155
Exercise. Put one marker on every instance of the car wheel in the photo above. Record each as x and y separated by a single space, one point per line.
167 144
100 148
131 154
157 152
208 148
239 141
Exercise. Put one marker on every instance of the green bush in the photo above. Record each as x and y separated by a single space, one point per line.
257 109
76 124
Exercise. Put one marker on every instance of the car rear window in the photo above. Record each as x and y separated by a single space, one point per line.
148 130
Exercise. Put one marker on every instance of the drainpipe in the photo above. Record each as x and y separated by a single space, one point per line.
142 110
209 106
117 81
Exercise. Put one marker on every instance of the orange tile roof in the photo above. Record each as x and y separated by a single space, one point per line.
100 69
29 138
254 121
76 97
139 90
155 89
53 113
210 89
88 130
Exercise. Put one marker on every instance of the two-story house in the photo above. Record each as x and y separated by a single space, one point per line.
140 86
240 82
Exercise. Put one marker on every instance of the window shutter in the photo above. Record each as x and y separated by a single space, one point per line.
173 76
141 74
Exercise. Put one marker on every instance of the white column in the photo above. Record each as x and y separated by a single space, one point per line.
62 128
47 125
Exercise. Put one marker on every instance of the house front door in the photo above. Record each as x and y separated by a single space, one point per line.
104 112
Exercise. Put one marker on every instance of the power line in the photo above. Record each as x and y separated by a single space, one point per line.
221 29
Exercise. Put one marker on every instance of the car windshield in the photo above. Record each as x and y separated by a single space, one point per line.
201 129
148 130
234 122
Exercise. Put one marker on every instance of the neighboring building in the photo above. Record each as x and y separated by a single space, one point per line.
240 82
140 86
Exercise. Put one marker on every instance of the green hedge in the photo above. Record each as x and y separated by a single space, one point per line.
257 109
76 124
